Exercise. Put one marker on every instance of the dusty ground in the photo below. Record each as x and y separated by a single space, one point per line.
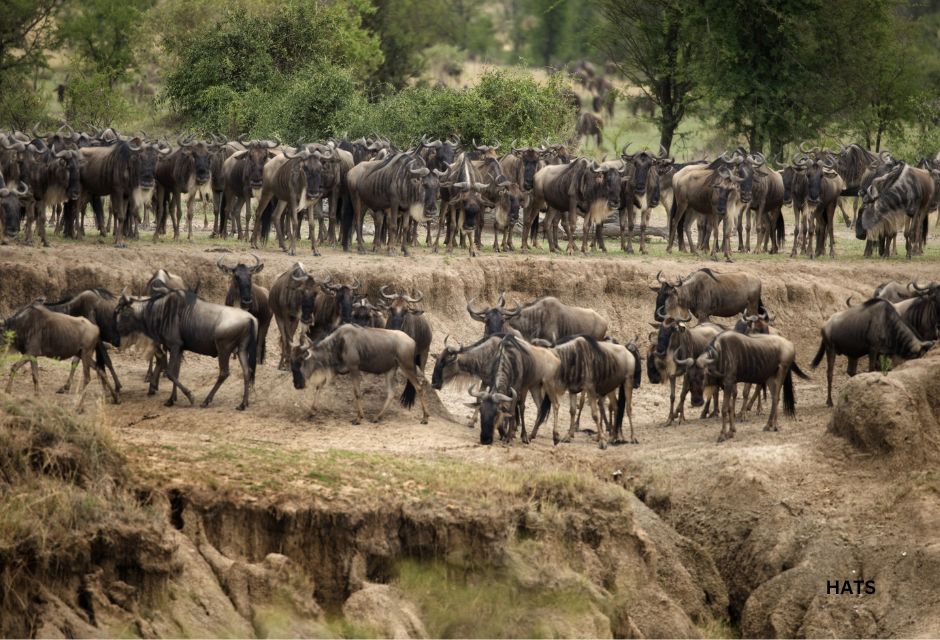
780 513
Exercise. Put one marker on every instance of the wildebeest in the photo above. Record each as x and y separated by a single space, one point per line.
545 318
599 370
96 306
760 359
675 341
185 170
507 199
294 179
352 349
180 321
520 166
333 306
705 293
794 194
402 316
475 361
54 179
710 192
462 203
126 171
897 200
11 210
589 124
399 183
38 331
823 186
641 175
894 291
922 313
871 329
519 369
366 314
245 294
580 186
292 300
242 177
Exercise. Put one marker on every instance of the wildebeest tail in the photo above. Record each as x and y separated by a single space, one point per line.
346 214
638 365
544 408
408 395
789 398
252 350
795 368
267 217
781 231
819 354
101 356
621 407
672 212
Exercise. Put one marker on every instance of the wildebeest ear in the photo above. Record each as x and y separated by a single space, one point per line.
472 405
417 312
436 356
239 154
655 289
656 325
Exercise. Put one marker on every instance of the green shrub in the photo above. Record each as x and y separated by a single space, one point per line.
21 106
90 102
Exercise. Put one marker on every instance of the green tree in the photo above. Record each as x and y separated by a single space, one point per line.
103 33
26 31
652 43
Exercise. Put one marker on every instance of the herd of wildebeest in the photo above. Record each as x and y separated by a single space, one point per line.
50 178
331 330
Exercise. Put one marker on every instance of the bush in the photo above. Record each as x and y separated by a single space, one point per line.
20 105
90 102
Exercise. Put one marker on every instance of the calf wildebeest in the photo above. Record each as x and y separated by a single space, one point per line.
352 349
922 313
399 183
582 186
402 316
589 124
545 318
253 298
675 341
38 331
599 370
705 293
126 171
710 192
180 321
96 306
897 200
519 369
292 301
242 177
871 329
185 170
760 359
11 210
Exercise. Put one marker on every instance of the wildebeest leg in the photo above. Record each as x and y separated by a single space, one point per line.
16 367
86 356
853 367
726 234
728 409
190 203
34 370
672 401
224 357
173 372
774 400
742 415
577 421
597 413
796 232
741 229
626 228
410 371
830 221
845 217
572 224
177 212
644 222
68 383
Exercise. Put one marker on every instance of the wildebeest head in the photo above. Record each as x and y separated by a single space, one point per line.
510 196
256 154
366 314
607 180
816 171
67 166
241 277
445 368
877 198
309 365
429 182
642 163
344 294
11 209
494 408
531 159
725 189
667 295
399 306
143 160
198 156
493 318
308 287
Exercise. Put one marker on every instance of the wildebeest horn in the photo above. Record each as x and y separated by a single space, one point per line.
683 362
423 171
222 266
473 391
134 147
758 159
913 286
295 154
184 141
418 299
502 300
724 173
872 192
804 148
660 312
476 315
299 267
385 295
6 191
258 264
270 144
